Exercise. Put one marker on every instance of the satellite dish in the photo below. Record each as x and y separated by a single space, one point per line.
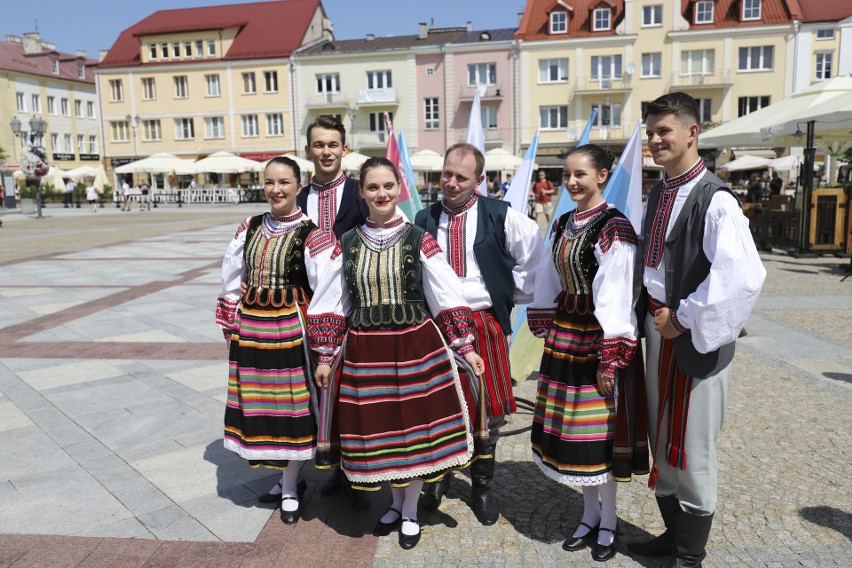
631 68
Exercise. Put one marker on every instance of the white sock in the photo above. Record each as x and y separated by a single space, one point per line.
409 507
591 511
398 494
289 484
609 515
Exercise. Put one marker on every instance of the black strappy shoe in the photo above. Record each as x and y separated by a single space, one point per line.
573 543
409 541
384 529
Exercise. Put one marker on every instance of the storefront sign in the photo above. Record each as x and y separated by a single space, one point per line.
64 157
90 157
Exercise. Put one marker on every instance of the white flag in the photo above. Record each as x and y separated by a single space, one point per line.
476 137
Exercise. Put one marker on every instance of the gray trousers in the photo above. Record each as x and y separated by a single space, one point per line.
696 486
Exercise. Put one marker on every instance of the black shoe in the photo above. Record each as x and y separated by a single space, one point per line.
333 484
270 497
409 541
601 553
662 545
573 543
433 493
484 506
384 529
292 517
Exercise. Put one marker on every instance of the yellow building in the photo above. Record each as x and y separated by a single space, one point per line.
195 81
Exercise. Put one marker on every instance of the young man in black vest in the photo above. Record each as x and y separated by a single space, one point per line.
701 276
332 202
493 249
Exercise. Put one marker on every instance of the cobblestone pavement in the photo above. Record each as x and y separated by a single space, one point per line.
112 381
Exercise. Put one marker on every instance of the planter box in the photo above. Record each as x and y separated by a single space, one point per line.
28 205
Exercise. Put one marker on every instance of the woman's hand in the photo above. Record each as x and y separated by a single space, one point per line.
243 289
321 375
605 384
476 362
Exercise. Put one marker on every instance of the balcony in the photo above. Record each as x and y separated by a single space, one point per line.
718 78
494 137
369 140
386 96
615 84
486 93
328 100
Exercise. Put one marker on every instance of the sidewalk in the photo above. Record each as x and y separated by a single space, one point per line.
112 388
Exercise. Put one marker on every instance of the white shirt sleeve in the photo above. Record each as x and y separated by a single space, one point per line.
548 285
525 245
614 291
441 286
317 258
233 268
331 296
718 309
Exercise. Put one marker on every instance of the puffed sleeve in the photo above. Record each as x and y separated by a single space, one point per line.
442 290
546 290
326 320
320 246
718 309
525 245
614 290
233 271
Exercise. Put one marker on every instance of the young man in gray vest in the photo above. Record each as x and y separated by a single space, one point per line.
702 275
493 249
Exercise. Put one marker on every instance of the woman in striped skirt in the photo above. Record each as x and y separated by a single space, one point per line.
398 405
586 430
270 414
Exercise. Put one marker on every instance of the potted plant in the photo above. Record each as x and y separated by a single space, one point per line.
27 193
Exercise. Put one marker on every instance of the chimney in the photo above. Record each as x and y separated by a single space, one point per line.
102 54
81 53
520 18
12 38
423 31
468 26
370 37
32 43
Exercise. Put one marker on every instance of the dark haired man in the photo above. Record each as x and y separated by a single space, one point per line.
702 275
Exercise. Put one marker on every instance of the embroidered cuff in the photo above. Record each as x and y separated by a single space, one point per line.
326 360
616 352
456 324
539 320
225 313
326 330
464 348
607 370
675 322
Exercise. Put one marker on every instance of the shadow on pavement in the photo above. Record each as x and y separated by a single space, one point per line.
829 517
845 377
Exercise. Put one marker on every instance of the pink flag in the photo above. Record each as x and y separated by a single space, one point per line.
392 154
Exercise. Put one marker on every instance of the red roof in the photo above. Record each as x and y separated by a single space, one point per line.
535 23
825 10
267 29
728 14
12 57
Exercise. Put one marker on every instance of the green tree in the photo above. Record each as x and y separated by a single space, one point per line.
3 155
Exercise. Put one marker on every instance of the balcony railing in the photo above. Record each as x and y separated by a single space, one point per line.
370 140
328 100
486 92
706 79
377 96
594 84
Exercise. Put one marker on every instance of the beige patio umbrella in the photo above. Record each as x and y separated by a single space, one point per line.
226 163
81 172
54 177
304 165
100 180
159 163
427 161
352 161
498 159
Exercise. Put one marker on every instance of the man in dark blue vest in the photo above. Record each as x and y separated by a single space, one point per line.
701 275
493 249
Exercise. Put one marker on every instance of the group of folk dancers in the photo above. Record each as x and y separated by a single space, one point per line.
378 347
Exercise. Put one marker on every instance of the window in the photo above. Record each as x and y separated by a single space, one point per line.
651 64
431 121
746 105
119 133
489 116
553 117
212 82
249 125
377 121
214 127
704 12
116 89
181 87
825 34
22 106
199 48
78 109
606 66
36 104
81 144
51 105
652 15
481 74
54 143
601 19
184 129
756 58
93 144
187 48
176 48
81 71
211 47
90 109
558 22
823 65
379 80
328 83
751 9
69 148
151 130
249 86
552 70
54 66
608 114
274 125
697 62
152 51
164 50
704 112
149 89
270 79
64 109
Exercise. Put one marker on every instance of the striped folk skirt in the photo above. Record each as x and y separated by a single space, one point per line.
269 414
400 409
574 425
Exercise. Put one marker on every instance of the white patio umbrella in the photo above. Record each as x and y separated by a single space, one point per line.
100 180
226 163
785 163
427 161
746 162
81 172
54 177
159 163
352 161
304 165
498 159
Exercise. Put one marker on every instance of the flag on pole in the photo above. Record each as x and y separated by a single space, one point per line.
518 193
392 154
624 188
476 137
413 204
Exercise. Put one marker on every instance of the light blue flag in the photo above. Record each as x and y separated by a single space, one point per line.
410 206
624 188
518 192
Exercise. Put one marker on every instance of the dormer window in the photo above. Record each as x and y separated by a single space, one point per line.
54 66
751 9
81 71
559 22
601 19
704 12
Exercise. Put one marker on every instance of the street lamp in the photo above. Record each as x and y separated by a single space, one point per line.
133 121
38 126
807 183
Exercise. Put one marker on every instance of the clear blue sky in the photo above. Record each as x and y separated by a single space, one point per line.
95 24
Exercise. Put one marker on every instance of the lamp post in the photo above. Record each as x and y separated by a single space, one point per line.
807 184
133 121
38 126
